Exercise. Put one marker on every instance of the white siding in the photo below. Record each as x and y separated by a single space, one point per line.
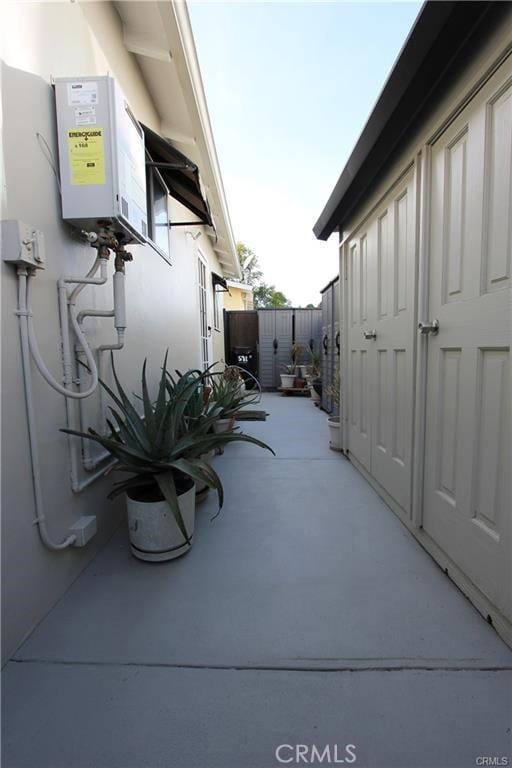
41 41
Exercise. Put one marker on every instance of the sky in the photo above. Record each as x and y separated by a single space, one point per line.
289 88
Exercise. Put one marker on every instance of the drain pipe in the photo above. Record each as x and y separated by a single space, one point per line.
65 313
119 314
66 305
88 462
119 322
24 316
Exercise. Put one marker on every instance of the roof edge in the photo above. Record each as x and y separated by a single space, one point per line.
400 92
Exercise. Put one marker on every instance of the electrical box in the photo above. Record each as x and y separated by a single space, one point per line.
22 244
83 530
101 157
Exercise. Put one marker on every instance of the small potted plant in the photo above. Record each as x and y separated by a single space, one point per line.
233 373
163 451
228 397
288 377
313 379
333 421
297 356
315 390
196 411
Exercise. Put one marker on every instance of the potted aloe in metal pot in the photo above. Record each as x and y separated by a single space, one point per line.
333 420
227 398
196 411
288 378
162 451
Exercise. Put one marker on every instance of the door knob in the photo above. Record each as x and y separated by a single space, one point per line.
370 334
426 328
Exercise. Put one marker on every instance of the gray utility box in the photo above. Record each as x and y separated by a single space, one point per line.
102 158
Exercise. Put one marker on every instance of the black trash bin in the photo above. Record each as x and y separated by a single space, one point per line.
246 358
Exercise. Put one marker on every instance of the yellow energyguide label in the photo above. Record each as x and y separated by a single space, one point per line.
86 156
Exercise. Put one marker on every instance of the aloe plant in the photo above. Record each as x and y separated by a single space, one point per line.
168 440
227 396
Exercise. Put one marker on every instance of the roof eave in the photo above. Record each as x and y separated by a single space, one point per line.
161 32
399 94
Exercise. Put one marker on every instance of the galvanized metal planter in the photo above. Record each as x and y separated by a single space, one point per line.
153 531
334 425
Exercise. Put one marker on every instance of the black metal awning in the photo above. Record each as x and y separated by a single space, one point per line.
179 173
219 281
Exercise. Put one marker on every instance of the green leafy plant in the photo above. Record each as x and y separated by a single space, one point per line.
227 394
314 364
334 390
289 368
164 445
232 373
297 353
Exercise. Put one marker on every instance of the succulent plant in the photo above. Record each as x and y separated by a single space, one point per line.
167 441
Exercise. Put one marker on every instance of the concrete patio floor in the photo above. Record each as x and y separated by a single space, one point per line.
305 614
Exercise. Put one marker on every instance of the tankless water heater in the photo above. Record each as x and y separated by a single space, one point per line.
101 157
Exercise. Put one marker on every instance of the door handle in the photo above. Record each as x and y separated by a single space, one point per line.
338 342
275 345
324 344
426 328
370 334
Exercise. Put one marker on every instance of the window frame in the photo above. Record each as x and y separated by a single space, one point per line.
153 176
216 308
202 297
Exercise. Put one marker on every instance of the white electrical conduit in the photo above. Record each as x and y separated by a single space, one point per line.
119 314
82 282
29 341
24 316
78 485
65 305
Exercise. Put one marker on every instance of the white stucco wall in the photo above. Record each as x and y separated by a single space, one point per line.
41 41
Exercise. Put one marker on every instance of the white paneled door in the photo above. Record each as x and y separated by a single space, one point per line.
467 452
381 285
283 343
267 351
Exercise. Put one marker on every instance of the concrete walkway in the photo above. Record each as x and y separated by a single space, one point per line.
304 615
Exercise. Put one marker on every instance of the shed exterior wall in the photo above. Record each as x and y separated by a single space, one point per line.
418 248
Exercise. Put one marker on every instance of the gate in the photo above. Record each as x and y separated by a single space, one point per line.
241 340
266 337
